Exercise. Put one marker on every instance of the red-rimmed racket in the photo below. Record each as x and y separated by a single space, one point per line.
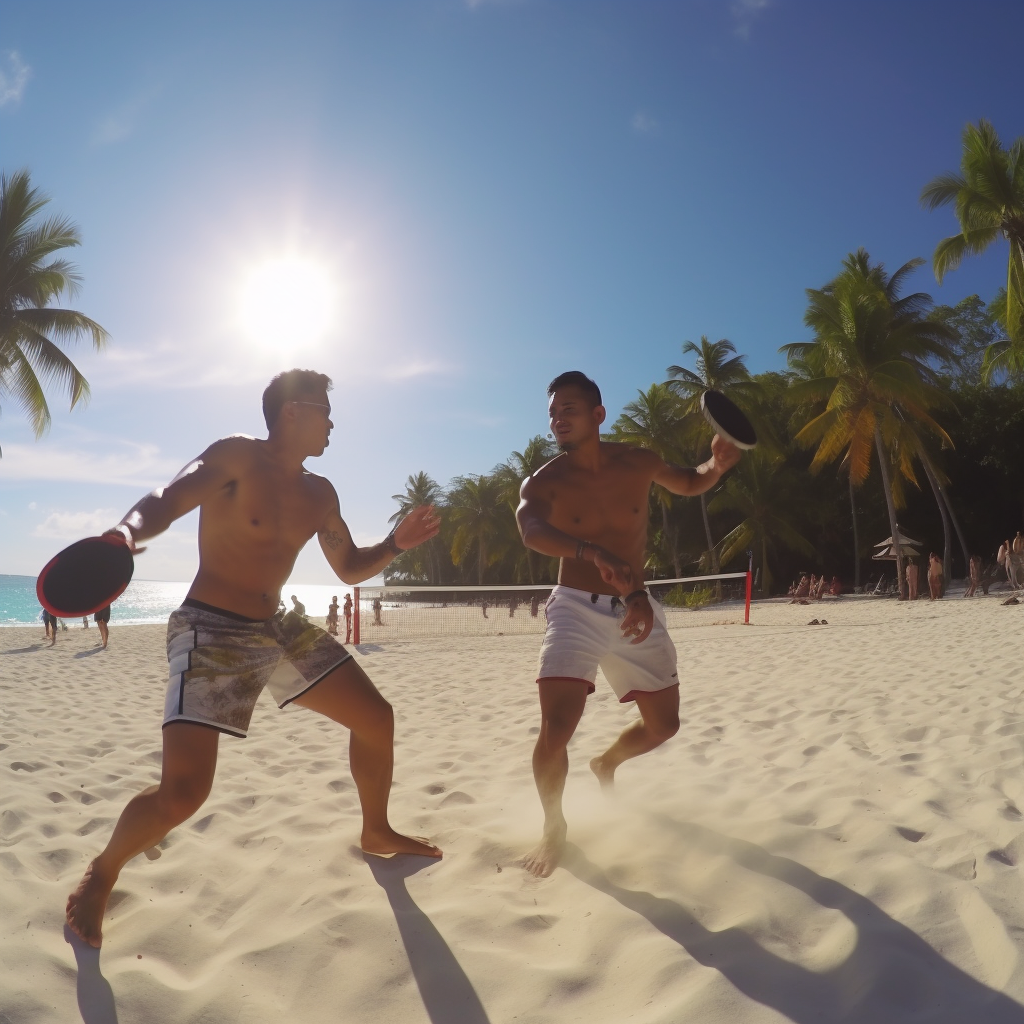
727 420
86 576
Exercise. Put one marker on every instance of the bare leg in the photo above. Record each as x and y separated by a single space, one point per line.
561 706
103 632
189 762
348 697
659 721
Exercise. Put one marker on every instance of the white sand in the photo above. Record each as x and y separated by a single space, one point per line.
834 835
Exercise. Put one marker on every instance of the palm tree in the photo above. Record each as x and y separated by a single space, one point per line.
870 360
718 369
32 331
656 420
762 493
420 489
511 474
988 194
477 509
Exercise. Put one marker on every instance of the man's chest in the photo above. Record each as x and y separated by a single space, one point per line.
613 500
271 506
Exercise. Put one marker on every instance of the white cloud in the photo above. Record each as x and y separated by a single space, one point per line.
32 505
73 525
110 462
14 76
744 13
643 123
120 122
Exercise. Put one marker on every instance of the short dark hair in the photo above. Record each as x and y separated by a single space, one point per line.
577 379
289 387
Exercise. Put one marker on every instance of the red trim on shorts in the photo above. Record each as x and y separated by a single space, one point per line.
571 679
631 696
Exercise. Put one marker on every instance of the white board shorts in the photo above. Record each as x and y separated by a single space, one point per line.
584 634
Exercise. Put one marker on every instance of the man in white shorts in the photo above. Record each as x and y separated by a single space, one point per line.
588 507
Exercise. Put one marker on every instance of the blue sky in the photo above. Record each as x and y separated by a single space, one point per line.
496 191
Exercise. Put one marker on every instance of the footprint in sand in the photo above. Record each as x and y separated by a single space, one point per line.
1011 813
1001 857
457 797
910 834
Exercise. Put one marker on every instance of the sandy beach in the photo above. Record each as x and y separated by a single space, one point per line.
834 835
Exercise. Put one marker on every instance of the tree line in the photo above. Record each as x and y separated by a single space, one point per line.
898 418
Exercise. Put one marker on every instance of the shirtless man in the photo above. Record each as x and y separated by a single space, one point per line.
588 506
228 640
911 573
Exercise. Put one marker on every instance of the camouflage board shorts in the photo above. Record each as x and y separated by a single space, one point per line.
220 662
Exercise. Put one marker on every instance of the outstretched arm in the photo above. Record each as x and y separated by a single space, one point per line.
199 480
691 482
353 564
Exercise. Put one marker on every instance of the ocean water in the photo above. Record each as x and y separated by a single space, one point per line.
144 600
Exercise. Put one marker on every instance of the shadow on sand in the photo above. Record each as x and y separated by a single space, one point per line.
95 996
448 995
892 976
89 653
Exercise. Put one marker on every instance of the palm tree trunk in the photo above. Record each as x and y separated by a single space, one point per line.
764 565
666 534
856 539
883 465
481 551
930 471
946 545
712 553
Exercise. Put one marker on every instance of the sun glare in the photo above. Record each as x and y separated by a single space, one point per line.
290 302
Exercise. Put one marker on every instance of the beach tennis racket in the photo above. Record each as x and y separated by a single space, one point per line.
86 576
727 420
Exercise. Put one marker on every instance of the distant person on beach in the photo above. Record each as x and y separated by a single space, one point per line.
912 572
298 607
513 604
589 507
534 606
260 505
483 608
85 622
346 608
102 618
377 620
332 616
975 573
1005 559
802 590
1017 559
934 577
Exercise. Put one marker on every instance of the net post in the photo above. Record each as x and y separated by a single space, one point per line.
355 616
746 610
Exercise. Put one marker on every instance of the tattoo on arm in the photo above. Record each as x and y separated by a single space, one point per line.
332 539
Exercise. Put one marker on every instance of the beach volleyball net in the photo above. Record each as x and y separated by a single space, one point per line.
401 612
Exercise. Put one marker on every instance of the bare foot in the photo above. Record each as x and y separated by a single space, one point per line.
542 860
86 905
390 842
605 775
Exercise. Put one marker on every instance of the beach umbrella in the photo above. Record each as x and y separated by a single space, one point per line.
890 553
904 539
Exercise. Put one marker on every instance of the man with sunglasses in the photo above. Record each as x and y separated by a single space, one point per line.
229 640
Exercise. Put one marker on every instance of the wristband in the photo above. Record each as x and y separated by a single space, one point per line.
390 541
581 546
636 593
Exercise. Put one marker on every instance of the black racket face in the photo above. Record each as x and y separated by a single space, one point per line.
85 577
727 419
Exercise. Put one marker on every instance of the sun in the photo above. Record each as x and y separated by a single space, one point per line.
289 302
